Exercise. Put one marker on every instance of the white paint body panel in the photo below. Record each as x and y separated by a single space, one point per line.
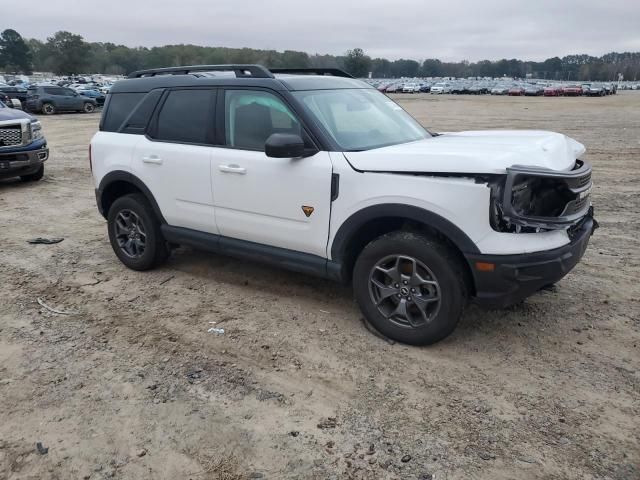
491 151
264 204
462 201
181 183
111 152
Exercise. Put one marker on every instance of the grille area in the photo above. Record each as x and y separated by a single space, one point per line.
10 136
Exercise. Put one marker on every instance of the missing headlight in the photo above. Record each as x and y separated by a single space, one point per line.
533 199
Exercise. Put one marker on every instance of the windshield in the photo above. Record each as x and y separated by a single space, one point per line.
361 119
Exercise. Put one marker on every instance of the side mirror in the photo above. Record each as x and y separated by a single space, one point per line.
284 145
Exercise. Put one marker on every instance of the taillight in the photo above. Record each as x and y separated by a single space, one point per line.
90 160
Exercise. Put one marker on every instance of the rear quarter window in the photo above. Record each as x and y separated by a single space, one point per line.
118 108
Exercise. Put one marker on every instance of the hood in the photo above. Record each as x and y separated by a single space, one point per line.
491 151
7 113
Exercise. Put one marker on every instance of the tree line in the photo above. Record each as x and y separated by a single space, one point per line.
66 53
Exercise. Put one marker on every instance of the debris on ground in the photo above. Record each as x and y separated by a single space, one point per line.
42 450
54 310
45 241
329 422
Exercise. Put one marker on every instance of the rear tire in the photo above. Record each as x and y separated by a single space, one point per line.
415 270
134 233
48 108
34 177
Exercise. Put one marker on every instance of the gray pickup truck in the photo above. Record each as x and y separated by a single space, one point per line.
23 148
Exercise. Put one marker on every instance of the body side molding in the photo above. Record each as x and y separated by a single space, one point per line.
267 254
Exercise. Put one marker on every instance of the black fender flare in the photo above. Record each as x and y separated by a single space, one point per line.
122 176
351 225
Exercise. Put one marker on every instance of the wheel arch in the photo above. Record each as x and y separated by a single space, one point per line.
118 183
372 222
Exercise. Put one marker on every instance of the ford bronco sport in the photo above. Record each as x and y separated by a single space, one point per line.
318 172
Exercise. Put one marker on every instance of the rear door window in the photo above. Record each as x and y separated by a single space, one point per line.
58 91
186 117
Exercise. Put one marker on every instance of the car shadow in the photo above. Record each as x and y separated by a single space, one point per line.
476 326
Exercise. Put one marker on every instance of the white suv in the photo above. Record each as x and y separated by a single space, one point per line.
317 172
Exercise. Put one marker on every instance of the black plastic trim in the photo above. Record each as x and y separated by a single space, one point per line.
334 72
516 277
120 175
256 71
267 254
396 210
335 186
137 121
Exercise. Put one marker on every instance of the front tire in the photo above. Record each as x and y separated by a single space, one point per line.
134 233
410 287
88 107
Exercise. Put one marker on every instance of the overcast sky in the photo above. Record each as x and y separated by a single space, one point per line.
418 29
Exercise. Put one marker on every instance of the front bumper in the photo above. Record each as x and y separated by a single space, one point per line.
23 161
515 277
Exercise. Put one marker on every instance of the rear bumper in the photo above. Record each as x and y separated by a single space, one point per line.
515 277
23 161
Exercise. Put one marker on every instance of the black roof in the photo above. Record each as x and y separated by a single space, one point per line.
237 75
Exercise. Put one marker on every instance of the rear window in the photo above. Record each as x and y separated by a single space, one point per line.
118 108
186 116
55 91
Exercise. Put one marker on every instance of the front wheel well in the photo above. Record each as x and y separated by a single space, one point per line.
378 227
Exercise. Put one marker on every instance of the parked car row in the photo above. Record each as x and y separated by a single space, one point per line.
55 95
495 87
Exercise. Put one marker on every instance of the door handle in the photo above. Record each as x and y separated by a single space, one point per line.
232 169
156 160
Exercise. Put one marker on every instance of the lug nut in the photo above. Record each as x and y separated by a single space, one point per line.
405 282
413 290
396 285
409 298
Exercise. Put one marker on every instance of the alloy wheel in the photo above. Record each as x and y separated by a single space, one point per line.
130 233
405 291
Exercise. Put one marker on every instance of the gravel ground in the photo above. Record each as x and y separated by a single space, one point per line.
130 385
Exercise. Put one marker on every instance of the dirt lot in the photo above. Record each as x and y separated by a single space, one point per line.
132 386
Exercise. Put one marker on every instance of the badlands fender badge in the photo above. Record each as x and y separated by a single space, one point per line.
307 210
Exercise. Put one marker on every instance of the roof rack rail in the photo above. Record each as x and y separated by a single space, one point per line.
241 71
335 72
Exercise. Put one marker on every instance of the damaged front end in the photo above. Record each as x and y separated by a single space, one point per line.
532 199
